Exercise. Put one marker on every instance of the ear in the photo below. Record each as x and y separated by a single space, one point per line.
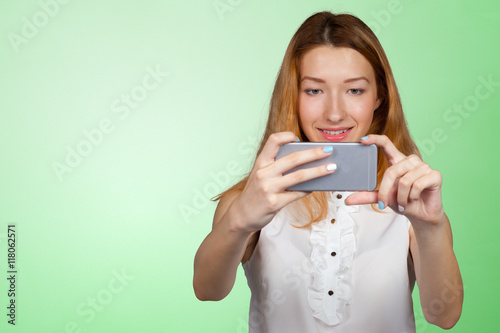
377 104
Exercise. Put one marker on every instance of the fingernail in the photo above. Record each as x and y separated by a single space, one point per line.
331 167
364 138
298 140
401 208
381 205
328 149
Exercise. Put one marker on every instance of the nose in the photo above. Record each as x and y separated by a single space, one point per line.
334 109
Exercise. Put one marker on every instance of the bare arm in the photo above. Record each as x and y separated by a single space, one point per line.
219 255
438 276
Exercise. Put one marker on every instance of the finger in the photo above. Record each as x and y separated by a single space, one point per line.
388 185
270 150
291 196
431 180
303 175
295 159
406 182
362 198
390 151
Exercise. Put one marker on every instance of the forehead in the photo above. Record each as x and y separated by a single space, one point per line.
328 62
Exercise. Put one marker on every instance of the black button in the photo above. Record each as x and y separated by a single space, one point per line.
333 221
334 254
339 196
330 292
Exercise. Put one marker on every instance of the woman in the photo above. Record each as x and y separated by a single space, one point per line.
334 262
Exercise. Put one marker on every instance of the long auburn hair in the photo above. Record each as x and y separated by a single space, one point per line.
336 30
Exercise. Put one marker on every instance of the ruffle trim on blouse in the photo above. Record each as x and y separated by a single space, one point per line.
318 290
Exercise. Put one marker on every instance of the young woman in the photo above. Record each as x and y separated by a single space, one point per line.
334 262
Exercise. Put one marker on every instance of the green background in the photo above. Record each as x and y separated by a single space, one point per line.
137 204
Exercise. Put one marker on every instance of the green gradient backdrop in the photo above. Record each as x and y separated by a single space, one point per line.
137 205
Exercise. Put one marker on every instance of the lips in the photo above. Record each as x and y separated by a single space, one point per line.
335 134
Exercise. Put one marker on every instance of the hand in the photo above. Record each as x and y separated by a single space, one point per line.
409 186
264 193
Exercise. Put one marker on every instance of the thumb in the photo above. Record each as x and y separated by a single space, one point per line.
362 198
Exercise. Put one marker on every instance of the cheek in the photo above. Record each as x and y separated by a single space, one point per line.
368 120
363 121
305 113
362 112
310 108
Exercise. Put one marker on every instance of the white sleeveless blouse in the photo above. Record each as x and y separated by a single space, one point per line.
353 275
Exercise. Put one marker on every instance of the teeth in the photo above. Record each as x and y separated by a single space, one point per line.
335 132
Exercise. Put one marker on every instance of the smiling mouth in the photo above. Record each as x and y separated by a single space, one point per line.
336 132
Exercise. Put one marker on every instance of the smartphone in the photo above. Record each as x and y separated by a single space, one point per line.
356 166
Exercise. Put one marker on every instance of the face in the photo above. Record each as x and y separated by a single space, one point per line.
337 94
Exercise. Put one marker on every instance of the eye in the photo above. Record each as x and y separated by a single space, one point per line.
313 91
355 91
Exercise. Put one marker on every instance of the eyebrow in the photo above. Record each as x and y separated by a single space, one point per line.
357 79
314 79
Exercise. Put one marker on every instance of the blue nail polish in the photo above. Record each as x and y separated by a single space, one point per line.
381 205
328 149
298 140
364 138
